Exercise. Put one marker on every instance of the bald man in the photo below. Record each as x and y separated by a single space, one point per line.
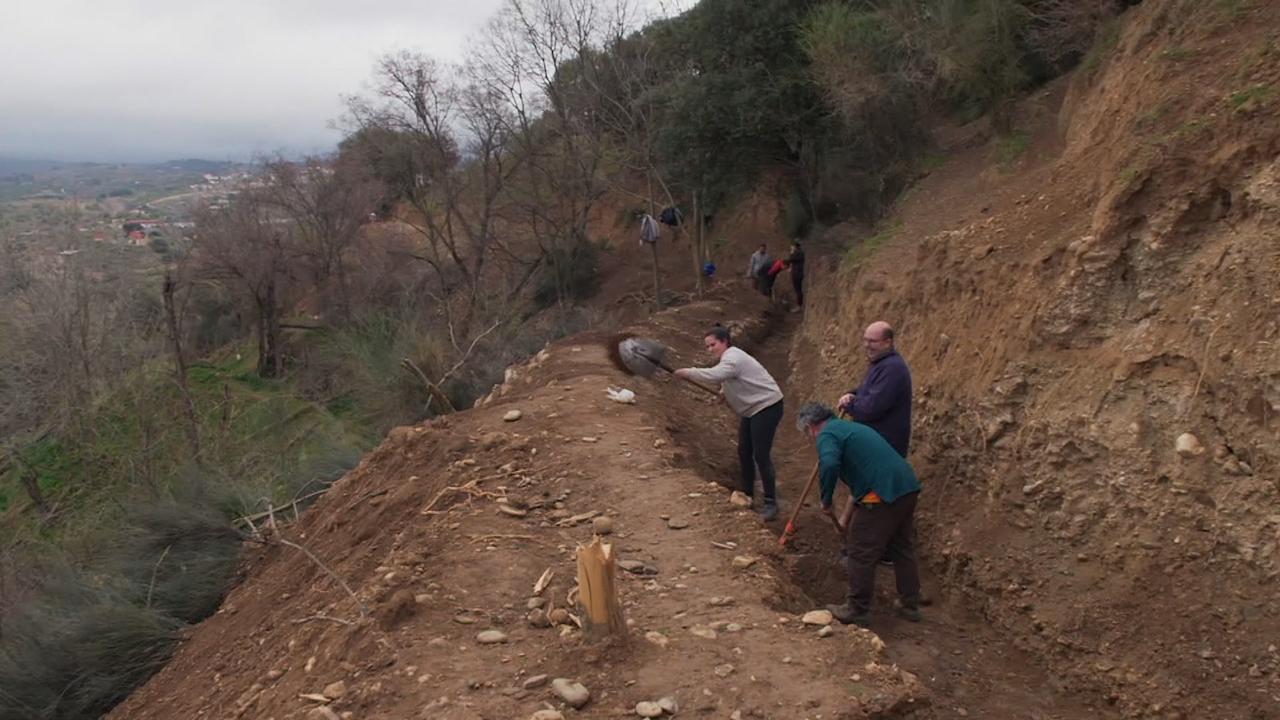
883 400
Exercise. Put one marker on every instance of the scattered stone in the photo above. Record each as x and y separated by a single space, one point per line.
718 601
740 499
669 705
534 603
465 619
273 675
703 631
491 637
826 631
558 616
656 638
733 627
512 415
534 681
602 525
335 690
1188 445
724 545
322 713
742 562
589 439
817 617
648 709
574 693
724 670
547 715
659 443
538 618
636 567
677 523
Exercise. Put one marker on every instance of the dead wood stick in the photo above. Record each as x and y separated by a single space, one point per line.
479 538
154 570
330 618
363 610
1204 366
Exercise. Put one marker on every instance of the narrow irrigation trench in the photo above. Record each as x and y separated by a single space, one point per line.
971 668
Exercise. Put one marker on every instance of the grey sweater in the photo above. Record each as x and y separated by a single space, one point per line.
748 387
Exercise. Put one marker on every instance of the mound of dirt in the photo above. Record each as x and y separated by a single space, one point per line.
1072 317
442 533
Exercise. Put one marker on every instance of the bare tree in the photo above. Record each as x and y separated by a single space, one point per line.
452 161
174 323
329 202
246 248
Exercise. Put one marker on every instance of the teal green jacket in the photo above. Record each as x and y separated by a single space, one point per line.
861 457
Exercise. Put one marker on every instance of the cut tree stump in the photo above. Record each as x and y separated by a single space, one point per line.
598 590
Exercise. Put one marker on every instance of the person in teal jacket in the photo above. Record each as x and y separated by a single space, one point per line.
884 488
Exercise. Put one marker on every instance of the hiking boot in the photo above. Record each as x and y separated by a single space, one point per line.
848 615
910 613
886 562
769 511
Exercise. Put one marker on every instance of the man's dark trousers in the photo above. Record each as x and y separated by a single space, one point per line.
755 450
882 530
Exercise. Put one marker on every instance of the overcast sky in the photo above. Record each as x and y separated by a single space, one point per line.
149 80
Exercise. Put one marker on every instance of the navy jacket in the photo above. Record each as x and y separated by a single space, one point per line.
883 401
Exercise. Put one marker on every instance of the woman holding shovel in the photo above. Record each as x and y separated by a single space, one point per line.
753 394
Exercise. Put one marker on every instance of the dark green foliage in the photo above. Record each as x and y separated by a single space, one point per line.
569 275
737 97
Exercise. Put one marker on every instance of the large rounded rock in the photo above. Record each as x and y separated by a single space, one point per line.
817 617
574 693
491 637
648 709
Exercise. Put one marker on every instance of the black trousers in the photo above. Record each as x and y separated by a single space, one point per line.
797 284
883 530
755 450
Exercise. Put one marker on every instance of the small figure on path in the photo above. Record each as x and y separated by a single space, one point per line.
795 261
758 268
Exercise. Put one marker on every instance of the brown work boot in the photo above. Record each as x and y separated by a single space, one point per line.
849 615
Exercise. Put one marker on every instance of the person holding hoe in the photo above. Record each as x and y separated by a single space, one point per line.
884 490
754 395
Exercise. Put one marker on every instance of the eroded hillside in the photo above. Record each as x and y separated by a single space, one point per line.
1068 315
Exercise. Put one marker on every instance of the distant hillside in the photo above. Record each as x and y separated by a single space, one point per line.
10 167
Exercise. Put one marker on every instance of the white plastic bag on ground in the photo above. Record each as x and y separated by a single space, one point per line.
621 395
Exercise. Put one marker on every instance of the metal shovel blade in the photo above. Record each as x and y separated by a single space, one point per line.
642 356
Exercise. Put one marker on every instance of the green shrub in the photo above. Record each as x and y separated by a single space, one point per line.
796 218
569 275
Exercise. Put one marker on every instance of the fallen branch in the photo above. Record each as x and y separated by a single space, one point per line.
483 538
467 354
330 618
154 570
363 610
543 581
270 512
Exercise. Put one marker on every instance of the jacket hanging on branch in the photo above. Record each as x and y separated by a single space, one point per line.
649 230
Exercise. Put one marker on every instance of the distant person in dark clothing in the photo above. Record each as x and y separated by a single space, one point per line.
883 400
884 490
795 261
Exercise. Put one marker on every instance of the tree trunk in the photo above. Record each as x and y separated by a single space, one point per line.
31 483
697 246
180 367
653 246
